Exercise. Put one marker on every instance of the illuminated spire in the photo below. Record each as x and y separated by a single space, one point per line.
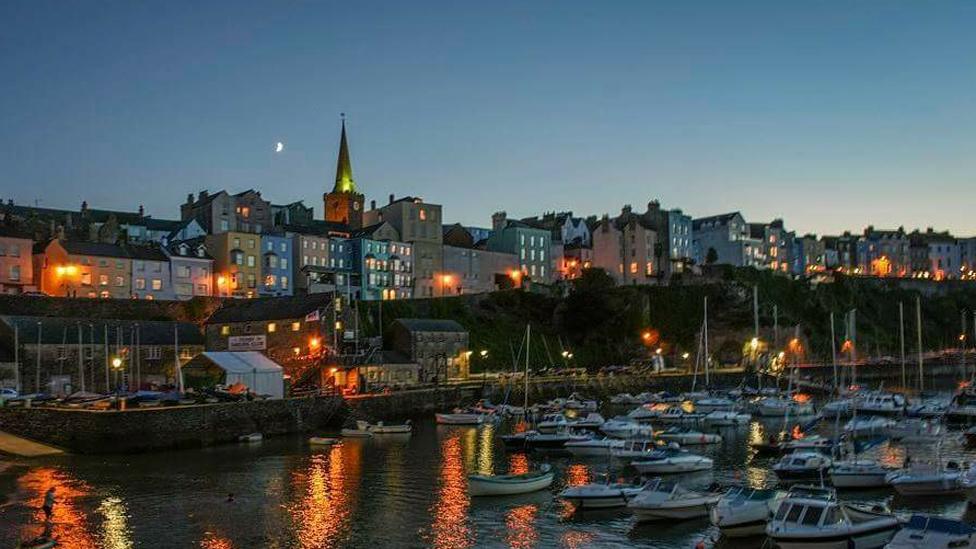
344 182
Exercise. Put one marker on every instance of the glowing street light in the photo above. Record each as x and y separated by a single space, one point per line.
685 355
483 353
116 363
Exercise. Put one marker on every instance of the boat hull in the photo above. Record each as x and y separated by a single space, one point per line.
459 419
667 467
858 479
870 539
666 512
485 486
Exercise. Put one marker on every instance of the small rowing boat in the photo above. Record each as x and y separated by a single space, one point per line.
508 485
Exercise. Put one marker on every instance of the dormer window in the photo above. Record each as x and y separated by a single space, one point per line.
201 251
183 249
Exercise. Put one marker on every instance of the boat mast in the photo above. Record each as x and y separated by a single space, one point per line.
918 323
528 339
901 326
705 336
833 352
853 332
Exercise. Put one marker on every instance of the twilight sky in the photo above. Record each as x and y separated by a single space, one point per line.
832 115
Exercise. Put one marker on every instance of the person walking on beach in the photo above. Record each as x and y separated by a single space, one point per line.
48 503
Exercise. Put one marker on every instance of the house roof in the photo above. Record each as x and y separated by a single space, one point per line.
270 308
430 325
99 249
720 218
13 232
64 330
170 225
147 253
243 362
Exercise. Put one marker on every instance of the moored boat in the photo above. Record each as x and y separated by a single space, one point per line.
744 512
812 518
802 466
858 473
933 532
671 461
593 446
322 441
661 500
600 495
687 437
460 418
507 485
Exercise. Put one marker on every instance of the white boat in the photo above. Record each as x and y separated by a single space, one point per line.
933 532
881 403
861 426
358 432
460 418
381 429
812 518
779 407
634 449
671 461
507 485
252 437
551 423
322 441
686 437
622 428
600 496
591 422
743 512
727 418
858 473
801 466
713 404
593 446
647 413
552 441
661 500
624 398
579 403
816 443
675 414
924 478
915 430
962 407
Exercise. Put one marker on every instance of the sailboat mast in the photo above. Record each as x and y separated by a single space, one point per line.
901 329
528 339
705 335
918 324
853 332
833 352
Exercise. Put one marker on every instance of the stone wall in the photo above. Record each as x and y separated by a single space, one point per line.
140 430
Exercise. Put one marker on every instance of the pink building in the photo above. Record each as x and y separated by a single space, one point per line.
16 268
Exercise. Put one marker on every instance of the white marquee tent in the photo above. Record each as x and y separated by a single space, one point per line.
259 373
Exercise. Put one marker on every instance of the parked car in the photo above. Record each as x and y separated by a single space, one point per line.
9 392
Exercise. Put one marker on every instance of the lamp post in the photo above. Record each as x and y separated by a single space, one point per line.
117 367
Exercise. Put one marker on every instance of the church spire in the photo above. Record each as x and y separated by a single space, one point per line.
344 182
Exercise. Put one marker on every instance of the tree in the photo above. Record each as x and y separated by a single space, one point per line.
711 256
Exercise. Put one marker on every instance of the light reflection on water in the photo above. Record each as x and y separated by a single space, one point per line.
388 492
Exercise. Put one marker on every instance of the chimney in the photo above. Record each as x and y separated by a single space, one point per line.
84 206
626 210
391 198
142 211
372 204
202 194
498 221
189 198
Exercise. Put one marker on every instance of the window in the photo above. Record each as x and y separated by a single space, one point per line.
250 244
283 262
283 247
14 273
154 352
157 284
139 266
119 281
794 514
119 265
103 280
295 326
272 327
284 283
252 281
423 214
633 268
224 225
104 294
140 283
225 330
183 271
250 261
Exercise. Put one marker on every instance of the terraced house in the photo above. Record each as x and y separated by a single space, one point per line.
83 269
237 263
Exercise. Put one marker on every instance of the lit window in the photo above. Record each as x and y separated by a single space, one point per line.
295 326
272 327
225 330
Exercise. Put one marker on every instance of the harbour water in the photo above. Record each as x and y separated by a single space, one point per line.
388 491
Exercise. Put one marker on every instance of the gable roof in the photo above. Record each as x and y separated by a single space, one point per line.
722 219
270 308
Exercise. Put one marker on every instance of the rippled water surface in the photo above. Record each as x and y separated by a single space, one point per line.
389 491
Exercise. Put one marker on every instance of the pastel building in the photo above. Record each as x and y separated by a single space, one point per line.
16 262
385 265
151 278
726 239
191 268
531 246
83 269
276 266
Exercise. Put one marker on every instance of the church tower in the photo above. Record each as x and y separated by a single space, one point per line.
344 204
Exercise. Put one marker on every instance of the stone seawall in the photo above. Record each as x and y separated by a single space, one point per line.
140 430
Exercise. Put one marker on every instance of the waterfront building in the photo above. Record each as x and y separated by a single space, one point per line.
883 253
565 231
625 247
389 369
72 348
934 255
384 263
529 244
221 212
472 270
776 246
418 223
344 205
16 262
151 277
440 347
276 265
675 251
237 263
191 268
83 269
725 240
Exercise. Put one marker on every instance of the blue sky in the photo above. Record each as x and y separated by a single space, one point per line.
832 115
